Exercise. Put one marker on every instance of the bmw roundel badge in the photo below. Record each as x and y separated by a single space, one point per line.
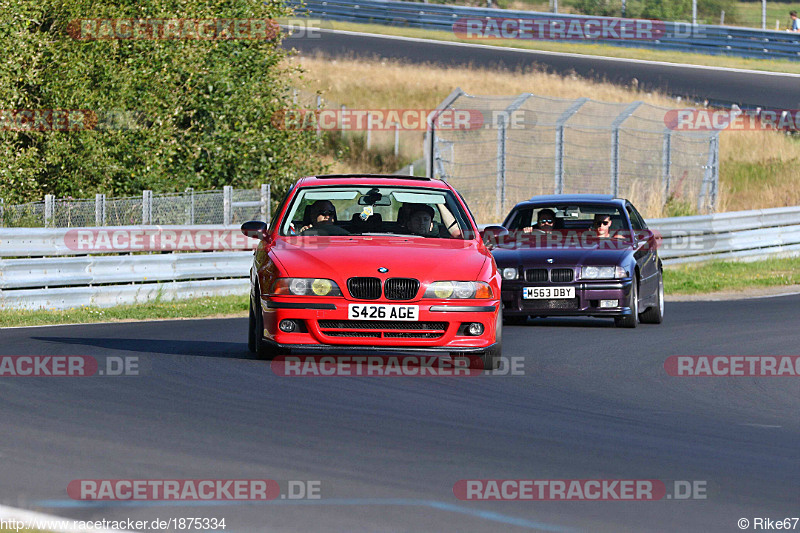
383 270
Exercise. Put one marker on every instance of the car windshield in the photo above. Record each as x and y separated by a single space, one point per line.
572 225
376 210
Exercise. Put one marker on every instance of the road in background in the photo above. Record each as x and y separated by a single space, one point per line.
721 86
595 402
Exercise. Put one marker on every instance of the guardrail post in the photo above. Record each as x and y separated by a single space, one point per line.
2 212
666 162
708 186
147 207
501 167
396 139
559 156
340 120
714 171
49 210
190 206
100 209
227 198
266 193
628 111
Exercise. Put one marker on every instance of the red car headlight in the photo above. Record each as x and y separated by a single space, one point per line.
459 289
306 287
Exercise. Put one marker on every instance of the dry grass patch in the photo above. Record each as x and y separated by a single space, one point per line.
757 169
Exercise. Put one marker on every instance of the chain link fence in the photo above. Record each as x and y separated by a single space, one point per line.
228 206
529 145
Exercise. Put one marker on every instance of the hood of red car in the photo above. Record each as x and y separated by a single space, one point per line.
340 258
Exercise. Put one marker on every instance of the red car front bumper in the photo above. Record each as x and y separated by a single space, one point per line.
322 323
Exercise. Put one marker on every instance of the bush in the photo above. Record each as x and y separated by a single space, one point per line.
199 110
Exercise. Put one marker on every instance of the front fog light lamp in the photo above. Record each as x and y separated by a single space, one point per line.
609 303
287 326
475 329
509 273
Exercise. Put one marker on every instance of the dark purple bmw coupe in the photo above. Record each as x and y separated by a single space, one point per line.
584 255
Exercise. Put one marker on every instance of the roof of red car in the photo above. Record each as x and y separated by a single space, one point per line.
373 179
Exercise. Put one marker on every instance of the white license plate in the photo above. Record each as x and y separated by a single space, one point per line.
383 312
547 293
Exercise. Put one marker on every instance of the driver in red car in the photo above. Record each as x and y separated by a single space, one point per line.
322 213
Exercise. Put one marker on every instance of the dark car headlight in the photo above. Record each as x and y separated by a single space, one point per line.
306 287
603 272
458 289
509 273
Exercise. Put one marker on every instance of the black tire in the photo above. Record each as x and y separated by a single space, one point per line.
631 320
251 329
655 314
515 320
263 349
491 357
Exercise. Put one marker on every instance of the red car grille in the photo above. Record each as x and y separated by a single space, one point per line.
401 288
382 329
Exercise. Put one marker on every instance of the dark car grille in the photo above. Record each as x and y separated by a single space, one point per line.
382 329
561 275
536 274
364 288
400 288
551 304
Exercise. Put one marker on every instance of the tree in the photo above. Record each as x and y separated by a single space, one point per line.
160 114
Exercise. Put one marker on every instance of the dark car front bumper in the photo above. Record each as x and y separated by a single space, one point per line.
586 302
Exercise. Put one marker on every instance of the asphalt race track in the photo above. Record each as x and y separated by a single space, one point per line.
594 403
723 86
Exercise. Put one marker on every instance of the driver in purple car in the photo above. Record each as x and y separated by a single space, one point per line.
545 221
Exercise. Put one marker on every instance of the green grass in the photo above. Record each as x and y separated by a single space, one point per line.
586 49
718 276
192 308
749 14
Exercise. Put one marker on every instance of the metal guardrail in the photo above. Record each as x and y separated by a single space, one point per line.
58 282
741 235
679 36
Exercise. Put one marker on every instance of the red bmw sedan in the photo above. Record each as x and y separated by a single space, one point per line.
373 263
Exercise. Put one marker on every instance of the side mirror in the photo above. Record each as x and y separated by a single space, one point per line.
255 229
644 238
492 236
